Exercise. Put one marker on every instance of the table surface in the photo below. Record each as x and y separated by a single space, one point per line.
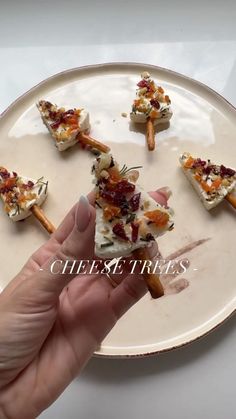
198 39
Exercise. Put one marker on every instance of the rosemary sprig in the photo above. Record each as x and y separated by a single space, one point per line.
40 190
41 182
109 243
124 170
17 210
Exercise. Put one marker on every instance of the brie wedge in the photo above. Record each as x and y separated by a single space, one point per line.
127 218
63 125
151 102
20 193
212 182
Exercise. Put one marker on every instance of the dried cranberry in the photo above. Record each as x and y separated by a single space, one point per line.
134 235
52 115
155 103
124 186
143 83
135 201
198 163
6 189
30 184
207 170
56 124
4 174
119 231
14 174
226 171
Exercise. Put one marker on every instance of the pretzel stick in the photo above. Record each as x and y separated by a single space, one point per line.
150 135
39 214
152 280
231 198
86 139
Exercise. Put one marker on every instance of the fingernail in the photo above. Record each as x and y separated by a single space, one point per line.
166 191
83 214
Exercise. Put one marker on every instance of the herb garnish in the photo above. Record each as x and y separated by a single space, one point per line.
130 218
109 243
124 170
17 211
41 182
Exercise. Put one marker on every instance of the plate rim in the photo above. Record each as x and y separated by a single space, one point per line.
106 354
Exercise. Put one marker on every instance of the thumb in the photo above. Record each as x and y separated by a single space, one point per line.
45 285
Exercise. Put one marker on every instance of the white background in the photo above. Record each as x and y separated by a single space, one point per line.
198 39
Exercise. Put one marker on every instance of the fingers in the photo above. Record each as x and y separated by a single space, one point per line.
161 195
45 285
127 293
66 227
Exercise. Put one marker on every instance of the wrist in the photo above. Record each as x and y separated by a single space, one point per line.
9 411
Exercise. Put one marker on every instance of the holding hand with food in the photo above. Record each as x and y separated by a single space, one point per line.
58 321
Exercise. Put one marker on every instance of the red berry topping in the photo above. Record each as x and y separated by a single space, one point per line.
135 201
119 231
123 186
155 103
226 171
134 234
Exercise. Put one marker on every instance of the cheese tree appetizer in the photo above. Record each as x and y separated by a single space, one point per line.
151 106
127 218
68 127
212 182
23 196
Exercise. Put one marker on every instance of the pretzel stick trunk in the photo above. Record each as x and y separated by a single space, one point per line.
41 217
86 139
231 198
152 280
150 135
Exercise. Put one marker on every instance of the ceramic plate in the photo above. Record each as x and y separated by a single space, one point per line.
203 123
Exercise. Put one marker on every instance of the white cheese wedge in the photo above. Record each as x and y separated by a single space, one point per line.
107 243
157 106
104 233
21 199
211 199
141 118
63 136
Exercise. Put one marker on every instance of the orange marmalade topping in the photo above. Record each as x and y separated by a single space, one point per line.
111 211
159 218
189 163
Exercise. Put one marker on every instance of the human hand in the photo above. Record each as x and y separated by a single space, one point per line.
50 325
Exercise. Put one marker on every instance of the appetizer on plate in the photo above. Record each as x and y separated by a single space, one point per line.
23 196
127 218
68 127
211 181
151 106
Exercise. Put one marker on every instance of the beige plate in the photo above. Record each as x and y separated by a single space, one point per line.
203 123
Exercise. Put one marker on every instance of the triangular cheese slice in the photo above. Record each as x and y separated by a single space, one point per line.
20 193
150 102
64 125
127 218
212 182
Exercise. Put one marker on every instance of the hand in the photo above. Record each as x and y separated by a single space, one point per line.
50 325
